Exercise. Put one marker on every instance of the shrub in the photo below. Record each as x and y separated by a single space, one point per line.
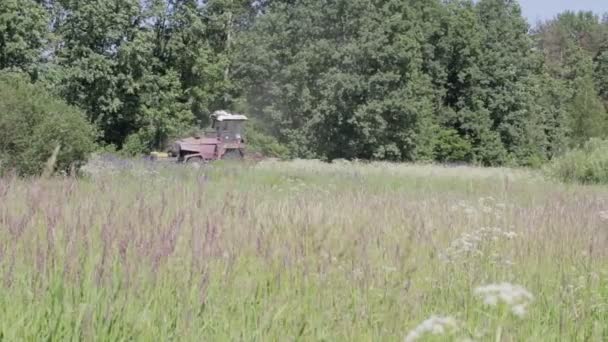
136 144
452 148
268 146
586 165
33 123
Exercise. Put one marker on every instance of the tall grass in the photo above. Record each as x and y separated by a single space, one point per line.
302 251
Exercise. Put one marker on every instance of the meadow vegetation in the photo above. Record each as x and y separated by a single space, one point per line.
127 250
302 250
585 165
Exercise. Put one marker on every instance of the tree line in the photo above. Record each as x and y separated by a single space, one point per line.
398 80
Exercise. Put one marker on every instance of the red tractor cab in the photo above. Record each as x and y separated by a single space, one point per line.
224 141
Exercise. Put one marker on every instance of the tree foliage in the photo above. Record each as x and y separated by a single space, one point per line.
23 34
33 123
400 80
573 47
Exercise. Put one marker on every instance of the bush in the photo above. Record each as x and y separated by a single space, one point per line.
33 123
452 148
136 144
586 165
266 145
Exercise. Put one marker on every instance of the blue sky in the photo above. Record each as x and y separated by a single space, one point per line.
536 10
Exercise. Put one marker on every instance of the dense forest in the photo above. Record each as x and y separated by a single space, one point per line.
398 80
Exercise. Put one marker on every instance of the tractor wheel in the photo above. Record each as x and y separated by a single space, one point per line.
195 162
233 155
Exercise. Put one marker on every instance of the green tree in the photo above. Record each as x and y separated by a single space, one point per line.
402 80
555 37
458 54
553 128
588 113
33 123
23 33
93 34
507 74
112 66
342 79
601 74
184 44
573 50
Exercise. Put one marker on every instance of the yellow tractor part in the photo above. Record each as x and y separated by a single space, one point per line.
159 155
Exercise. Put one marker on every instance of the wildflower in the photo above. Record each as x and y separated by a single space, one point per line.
435 325
515 297
508 263
472 243
470 211
463 207
484 200
487 210
510 235
519 310
604 215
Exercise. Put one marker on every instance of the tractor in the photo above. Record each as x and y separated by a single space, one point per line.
223 141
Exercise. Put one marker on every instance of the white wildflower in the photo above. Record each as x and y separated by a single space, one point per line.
514 296
484 200
463 207
604 215
510 235
472 243
435 325
486 209
470 211
519 310
508 263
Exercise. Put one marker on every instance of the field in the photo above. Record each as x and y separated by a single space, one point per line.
301 250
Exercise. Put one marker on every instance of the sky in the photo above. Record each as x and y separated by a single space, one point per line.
536 10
